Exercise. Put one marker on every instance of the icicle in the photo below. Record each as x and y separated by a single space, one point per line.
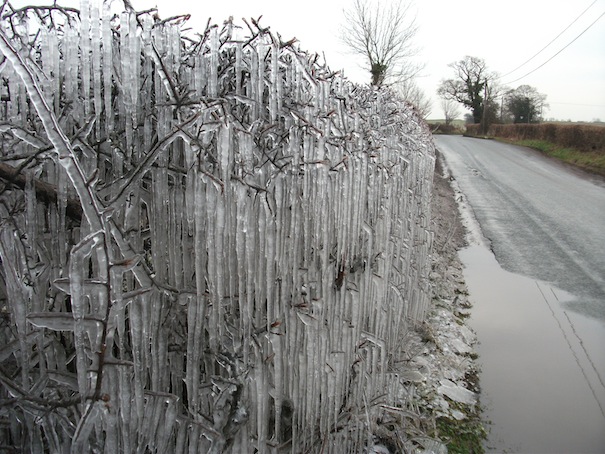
271 231
190 200
275 83
252 88
110 413
56 69
107 43
213 65
62 190
85 53
238 69
224 149
260 78
89 419
138 337
198 307
80 303
30 199
251 264
166 426
46 53
240 255
134 81
95 21
177 246
214 246
144 80
128 77
11 253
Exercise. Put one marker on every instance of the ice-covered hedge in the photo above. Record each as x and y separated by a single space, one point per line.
207 243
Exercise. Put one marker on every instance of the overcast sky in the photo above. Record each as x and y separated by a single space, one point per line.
504 34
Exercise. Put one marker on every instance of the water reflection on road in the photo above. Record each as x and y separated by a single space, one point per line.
542 385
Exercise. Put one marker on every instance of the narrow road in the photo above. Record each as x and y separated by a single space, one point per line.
542 219
539 306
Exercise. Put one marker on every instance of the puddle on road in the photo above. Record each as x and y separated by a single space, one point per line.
542 366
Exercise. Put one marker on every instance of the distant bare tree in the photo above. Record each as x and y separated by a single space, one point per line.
412 93
450 110
384 36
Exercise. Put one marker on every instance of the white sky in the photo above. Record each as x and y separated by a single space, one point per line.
504 33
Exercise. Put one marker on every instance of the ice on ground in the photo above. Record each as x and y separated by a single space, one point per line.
456 392
459 346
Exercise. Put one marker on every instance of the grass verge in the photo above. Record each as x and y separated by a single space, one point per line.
462 437
588 160
465 436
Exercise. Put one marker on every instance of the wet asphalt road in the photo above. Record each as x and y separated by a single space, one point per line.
543 220
541 330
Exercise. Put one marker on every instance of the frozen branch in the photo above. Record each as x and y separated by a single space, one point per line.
45 192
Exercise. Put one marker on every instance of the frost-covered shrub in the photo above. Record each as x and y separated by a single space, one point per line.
206 244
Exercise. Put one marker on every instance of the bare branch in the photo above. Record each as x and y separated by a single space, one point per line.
384 37
45 192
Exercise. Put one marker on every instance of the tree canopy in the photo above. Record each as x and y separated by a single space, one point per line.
524 104
470 85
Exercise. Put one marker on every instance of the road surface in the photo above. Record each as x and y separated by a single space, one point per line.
539 310
542 219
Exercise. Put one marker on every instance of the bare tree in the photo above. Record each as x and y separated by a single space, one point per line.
470 85
413 94
450 110
384 36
